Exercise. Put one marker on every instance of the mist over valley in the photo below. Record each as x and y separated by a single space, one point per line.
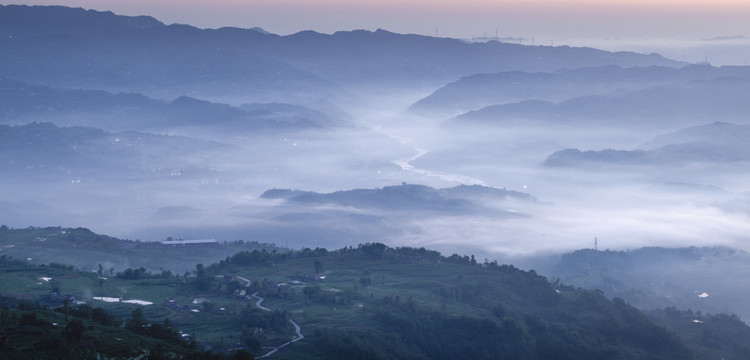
597 169
198 130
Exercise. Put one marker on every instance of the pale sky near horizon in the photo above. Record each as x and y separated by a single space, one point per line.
543 19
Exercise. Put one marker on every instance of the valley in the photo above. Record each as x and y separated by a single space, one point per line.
235 193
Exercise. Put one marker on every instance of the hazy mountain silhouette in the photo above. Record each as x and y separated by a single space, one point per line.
21 103
675 276
404 197
42 152
479 90
714 143
717 133
685 103
89 49
70 47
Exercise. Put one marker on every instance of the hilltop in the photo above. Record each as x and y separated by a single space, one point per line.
372 300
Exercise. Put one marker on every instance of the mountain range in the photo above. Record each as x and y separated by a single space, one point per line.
717 143
682 103
383 146
22 103
69 47
477 91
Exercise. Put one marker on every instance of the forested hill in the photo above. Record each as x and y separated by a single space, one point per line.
703 279
370 302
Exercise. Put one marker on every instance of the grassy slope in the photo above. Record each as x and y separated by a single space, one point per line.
410 288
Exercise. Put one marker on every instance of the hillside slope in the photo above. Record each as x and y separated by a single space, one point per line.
372 302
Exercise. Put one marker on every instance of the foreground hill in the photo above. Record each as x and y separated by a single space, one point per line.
82 332
372 302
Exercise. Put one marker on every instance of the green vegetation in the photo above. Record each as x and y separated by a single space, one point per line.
703 279
88 251
370 302
719 336
82 332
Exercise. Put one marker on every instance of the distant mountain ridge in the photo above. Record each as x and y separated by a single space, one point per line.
50 20
118 53
717 133
22 103
480 90
714 144
682 103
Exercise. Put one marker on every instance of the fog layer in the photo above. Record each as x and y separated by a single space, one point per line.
627 148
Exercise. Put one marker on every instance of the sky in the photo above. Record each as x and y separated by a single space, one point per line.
545 20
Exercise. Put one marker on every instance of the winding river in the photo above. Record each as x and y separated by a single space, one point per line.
405 165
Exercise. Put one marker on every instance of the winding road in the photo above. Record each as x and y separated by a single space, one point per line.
247 282
297 329
260 300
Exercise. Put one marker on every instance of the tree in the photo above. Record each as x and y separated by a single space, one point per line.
75 329
318 266
27 319
55 285
200 270
374 250
137 321
66 304
102 316
166 274
4 314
